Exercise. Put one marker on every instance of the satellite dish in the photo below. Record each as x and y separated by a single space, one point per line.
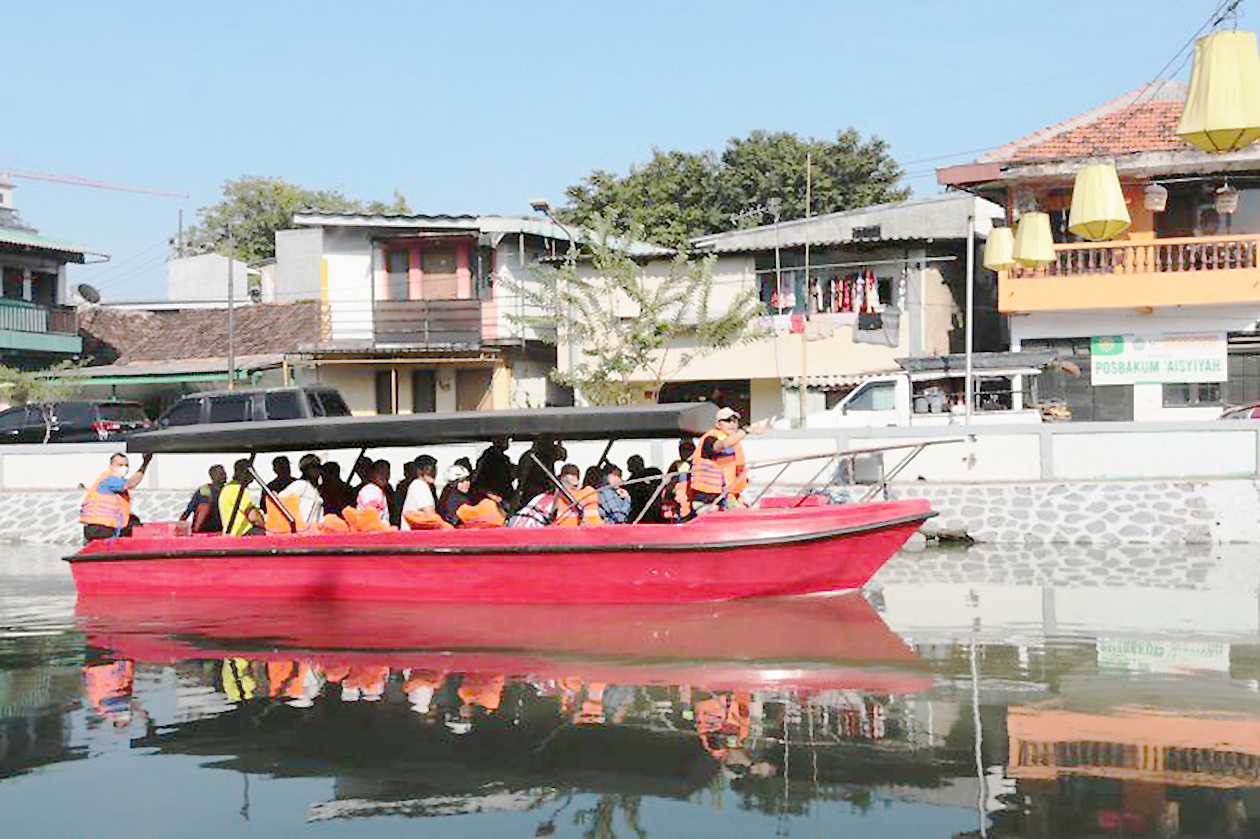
89 293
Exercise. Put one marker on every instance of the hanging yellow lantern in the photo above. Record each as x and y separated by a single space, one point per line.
999 248
1098 209
1222 111
1034 244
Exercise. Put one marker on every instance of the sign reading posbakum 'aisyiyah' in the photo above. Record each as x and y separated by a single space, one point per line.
1158 359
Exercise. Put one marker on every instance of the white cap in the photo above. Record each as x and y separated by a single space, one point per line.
727 413
456 473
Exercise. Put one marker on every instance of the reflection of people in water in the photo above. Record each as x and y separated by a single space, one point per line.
108 689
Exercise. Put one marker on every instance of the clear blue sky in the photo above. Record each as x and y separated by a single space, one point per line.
476 106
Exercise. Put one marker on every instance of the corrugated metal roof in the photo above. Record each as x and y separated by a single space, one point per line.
28 239
529 225
939 217
956 362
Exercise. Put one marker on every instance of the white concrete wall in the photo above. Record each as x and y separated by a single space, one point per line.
205 277
348 256
296 274
510 269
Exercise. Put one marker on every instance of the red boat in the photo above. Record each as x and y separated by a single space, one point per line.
722 556
817 642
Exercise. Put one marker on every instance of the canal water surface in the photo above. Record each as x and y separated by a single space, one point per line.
984 692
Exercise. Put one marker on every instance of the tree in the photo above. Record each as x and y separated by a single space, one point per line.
36 387
679 195
626 324
256 207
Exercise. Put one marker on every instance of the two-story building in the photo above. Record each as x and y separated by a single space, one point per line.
38 327
418 312
1161 323
882 282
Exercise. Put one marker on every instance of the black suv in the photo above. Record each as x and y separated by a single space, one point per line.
278 403
72 422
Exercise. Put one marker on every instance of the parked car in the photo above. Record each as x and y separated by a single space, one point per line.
78 421
253 405
1242 412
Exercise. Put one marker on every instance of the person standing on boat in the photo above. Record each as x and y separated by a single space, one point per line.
717 466
106 508
237 510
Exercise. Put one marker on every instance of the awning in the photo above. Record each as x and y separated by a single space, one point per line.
653 422
837 381
168 372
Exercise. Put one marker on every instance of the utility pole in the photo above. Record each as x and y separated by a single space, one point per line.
970 387
179 237
802 393
231 347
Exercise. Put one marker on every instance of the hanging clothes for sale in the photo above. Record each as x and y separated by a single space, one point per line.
872 291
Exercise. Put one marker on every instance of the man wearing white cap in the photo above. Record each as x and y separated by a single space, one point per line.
717 466
455 494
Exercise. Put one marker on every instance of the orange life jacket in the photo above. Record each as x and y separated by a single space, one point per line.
424 679
483 690
285 678
332 524
426 520
276 522
568 515
364 520
109 509
485 513
720 474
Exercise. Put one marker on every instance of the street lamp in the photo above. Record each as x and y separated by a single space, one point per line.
541 205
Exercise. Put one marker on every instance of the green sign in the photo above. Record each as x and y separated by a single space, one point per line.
1158 359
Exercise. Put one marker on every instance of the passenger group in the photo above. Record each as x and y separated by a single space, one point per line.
710 474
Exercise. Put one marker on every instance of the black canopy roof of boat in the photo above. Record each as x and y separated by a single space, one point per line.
621 423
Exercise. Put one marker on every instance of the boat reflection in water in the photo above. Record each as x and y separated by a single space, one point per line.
445 709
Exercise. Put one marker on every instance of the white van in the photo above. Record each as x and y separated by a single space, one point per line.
930 392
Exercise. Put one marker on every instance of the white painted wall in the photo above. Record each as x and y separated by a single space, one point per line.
296 274
348 254
205 277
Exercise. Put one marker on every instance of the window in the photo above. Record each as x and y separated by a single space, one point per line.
13 283
283 404
74 413
334 405
423 392
437 260
230 409
385 392
396 263
1192 394
122 412
12 419
875 396
187 412
316 406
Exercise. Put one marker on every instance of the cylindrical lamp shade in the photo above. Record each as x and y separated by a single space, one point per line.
1226 200
1098 210
1155 197
1222 111
1034 244
999 249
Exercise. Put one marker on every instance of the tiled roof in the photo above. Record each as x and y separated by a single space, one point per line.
123 336
1141 120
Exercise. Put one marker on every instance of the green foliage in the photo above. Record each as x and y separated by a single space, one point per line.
628 325
678 195
256 207
20 387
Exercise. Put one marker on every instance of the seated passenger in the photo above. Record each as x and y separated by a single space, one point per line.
614 499
373 495
300 497
455 493
494 468
237 510
488 512
336 493
419 508
586 511
676 498
204 504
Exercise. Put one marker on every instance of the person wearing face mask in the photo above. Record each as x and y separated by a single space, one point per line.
106 509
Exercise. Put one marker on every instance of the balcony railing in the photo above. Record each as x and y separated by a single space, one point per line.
427 322
20 316
1154 256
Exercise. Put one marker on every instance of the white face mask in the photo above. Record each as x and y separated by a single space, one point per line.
120 470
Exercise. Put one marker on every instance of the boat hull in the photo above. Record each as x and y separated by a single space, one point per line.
755 553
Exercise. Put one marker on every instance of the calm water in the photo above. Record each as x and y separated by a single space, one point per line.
1068 693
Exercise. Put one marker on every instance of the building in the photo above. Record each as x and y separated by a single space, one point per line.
418 312
1180 291
883 282
37 316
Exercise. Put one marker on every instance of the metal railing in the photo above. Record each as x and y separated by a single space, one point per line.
1154 256
20 316
427 322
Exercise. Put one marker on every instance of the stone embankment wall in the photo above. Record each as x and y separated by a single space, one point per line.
52 518
1094 512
